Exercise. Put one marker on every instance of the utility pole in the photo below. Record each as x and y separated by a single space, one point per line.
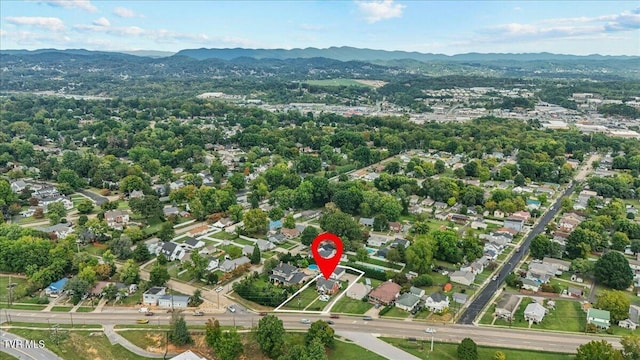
432 344
71 316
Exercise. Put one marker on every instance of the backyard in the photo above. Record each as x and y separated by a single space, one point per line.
351 306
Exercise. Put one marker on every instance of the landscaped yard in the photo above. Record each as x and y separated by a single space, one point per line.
78 345
421 349
244 241
303 299
223 235
61 308
350 306
384 264
397 312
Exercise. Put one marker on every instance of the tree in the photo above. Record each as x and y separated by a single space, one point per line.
110 292
166 232
499 355
619 241
197 266
322 331
237 181
276 213
213 333
255 221
635 246
158 276
540 246
121 247
211 278
582 266
229 346
141 253
613 270
467 350
134 233
85 206
616 302
270 336
147 206
78 287
446 246
598 350
308 234
235 212
316 351
55 212
129 273
419 254
70 177
255 255
196 299
289 222
422 280
380 223
631 347
178 332
131 183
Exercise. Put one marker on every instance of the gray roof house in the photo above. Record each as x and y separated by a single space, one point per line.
193 243
437 302
506 307
462 277
366 221
358 291
460 298
407 301
416 291
287 274
152 295
174 301
230 265
171 250
534 312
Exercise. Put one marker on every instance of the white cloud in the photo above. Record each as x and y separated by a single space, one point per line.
125 13
70 4
374 11
103 21
49 23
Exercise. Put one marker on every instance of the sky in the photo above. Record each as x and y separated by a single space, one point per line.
446 27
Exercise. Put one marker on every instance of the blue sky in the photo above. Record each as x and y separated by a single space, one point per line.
448 27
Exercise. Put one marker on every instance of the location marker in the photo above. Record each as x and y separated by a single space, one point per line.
327 257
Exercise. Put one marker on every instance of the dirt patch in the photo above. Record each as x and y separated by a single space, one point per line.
374 83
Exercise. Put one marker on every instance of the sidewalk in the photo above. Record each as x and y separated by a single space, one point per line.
368 341
115 338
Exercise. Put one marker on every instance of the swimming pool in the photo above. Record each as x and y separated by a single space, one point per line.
313 267
370 250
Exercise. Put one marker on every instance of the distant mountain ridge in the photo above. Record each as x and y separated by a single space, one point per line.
344 53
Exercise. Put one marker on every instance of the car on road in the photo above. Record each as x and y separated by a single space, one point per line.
305 321
430 330
330 322
148 313
143 321
219 288
231 308
494 278
263 313
367 318
198 313
334 316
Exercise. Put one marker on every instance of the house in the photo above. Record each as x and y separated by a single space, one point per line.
152 295
171 211
213 264
366 221
136 194
416 291
628 324
540 272
230 265
460 298
459 219
328 287
400 242
338 272
385 294
358 291
55 288
478 225
498 214
57 231
515 223
290 233
18 185
67 203
188 355
223 223
407 301
276 238
506 307
522 215
533 204
462 277
559 265
192 243
600 318
437 302
198 231
575 291
395 226
477 266
174 301
275 225
117 219
534 312
376 241
286 274
171 251
530 284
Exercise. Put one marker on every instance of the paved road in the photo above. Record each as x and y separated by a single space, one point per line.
19 349
93 196
491 336
488 291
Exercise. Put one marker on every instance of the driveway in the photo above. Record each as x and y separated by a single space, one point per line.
93 196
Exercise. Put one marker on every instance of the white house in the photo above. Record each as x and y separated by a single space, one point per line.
462 277
534 312
60 231
152 295
437 302
407 301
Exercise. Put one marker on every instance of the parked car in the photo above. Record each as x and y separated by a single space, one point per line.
231 308
330 322
143 321
305 321
219 288
198 313
334 316
430 330
263 313
367 318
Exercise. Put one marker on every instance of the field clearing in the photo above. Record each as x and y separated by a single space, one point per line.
339 82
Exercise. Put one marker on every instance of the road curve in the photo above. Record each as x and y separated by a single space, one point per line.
15 346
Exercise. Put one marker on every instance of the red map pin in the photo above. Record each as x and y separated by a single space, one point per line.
327 257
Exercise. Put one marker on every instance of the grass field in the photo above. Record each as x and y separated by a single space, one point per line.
243 241
446 351
27 307
396 312
6 356
223 235
84 309
350 306
336 82
46 326
4 290
305 298
78 345
148 340
61 308
384 263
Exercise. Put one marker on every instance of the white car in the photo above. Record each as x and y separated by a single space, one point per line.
232 309
219 288
430 330
305 321
494 278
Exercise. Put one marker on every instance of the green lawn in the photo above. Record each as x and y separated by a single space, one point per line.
487 318
147 340
132 299
446 351
4 290
28 307
47 325
223 235
6 356
303 299
288 245
350 306
78 345
61 308
567 316
384 263
344 350
243 242
84 309
95 250
397 312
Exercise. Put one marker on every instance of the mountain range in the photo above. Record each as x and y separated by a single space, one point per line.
343 53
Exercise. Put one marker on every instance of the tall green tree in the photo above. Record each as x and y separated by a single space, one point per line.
213 333
614 301
598 350
467 350
322 331
141 253
166 232
255 255
158 276
229 346
613 270
270 336
631 347
129 273
255 221
419 255
178 332
308 234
